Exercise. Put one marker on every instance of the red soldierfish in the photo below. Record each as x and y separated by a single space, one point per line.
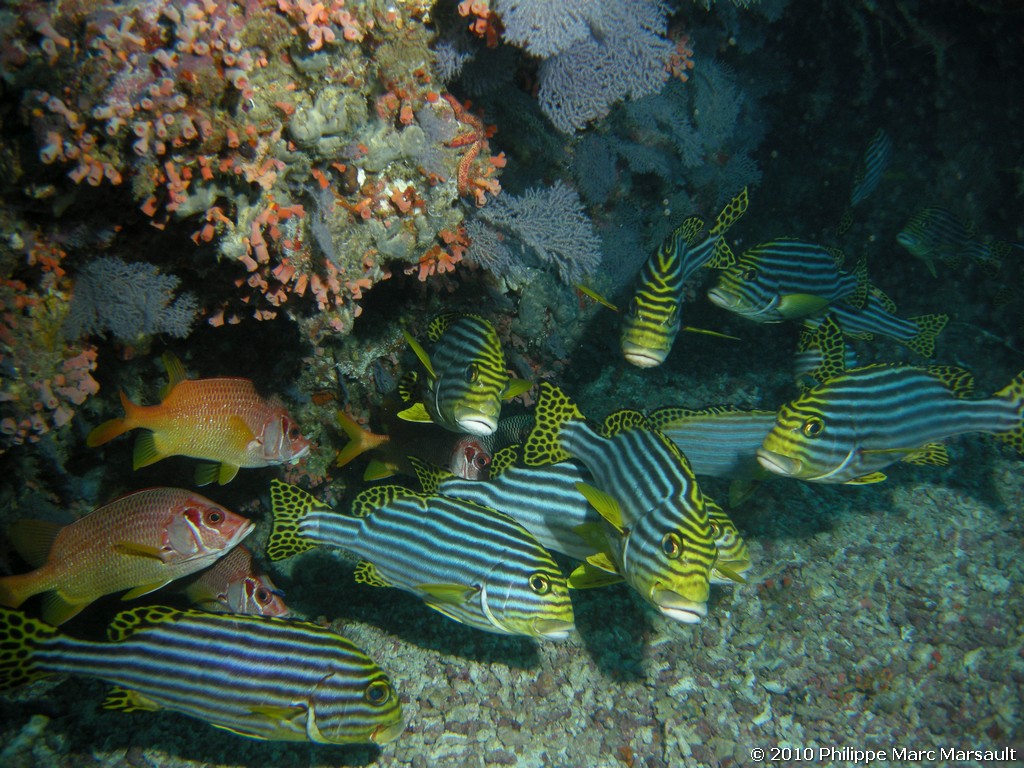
234 584
138 542
223 420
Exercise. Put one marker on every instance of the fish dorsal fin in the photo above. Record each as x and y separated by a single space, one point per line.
828 338
958 380
429 475
420 352
859 298
504 458
176 373
733 210
689 231
289 505
437 327
590 576
126 700
447 594
623 420
873 477
367 573
369 500
675 417
932 454
33 539
605 504
417 413
838 255
515 387
722 257
127 623
554 408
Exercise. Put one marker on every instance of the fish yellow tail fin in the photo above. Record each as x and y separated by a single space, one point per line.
359 440
108 430
1014 392
19 636
931 326
289 505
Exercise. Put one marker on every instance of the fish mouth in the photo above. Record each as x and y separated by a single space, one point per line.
724 300
675 606
777 463
477 424
382 734
643 357
553 629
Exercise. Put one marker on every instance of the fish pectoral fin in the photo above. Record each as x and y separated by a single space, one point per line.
144 589
140 550
238 435
417 412
421 354
226 473
127 700
453 594
603 561
280 713
588 576
515 387
874 477
792 305
605 504
593 534
729 573
706 332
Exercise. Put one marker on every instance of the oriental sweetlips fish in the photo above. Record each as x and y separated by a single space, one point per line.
787 279
466 376
936 233
258 677
653 319
221 420
235 585
471 563
854 424
656 517
139 542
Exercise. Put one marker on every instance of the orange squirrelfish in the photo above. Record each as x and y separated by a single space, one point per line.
234 584
138 542
223 420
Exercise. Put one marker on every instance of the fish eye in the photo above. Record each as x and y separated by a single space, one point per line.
813 427
671 545
294 433
716 530
481 461
214 517
750 273
472 372
540 583
262 595
378 693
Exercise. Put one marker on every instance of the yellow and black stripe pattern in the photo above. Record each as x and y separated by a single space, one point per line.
851 426
470 562
259 677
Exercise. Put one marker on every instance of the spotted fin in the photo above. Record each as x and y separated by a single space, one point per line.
289 505
554 408
1014 392
125 700
930 327
873 477
367 573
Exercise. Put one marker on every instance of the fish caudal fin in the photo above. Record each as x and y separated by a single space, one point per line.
1014 392
108 430
931 326
359 440
15 590
289 505
19 635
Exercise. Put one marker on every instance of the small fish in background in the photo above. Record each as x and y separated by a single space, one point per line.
234 584
878 316
139 542
471 563
466 456
653 318
656 533
221 420
934 233
860 421
872 167
257 677
787 279
466 376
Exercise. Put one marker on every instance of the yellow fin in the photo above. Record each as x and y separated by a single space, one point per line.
279 713
226 473
238 434
359 440
874 477
207 473
146 452
126 700
289 505
932 454
594 535
793 305
515 387
691 329
417 412
33 539
175 373
144 589
605 505
420 353
139 550
587 576
378 470
596 297
729 573
56 610
454 594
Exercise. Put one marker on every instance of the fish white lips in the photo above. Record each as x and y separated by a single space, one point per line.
673 606
553 629
777 463
720 299
642 358
478 425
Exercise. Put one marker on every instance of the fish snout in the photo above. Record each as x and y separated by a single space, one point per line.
723 299
778 463
675 606
643 357
552 629
476 422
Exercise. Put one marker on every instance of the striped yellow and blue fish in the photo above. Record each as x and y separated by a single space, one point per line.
935 233
466 376
138 542
878 316
258 677
855 424
234 584
471 563
547 501
868 176
653 318
786 279
657 525
812 361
